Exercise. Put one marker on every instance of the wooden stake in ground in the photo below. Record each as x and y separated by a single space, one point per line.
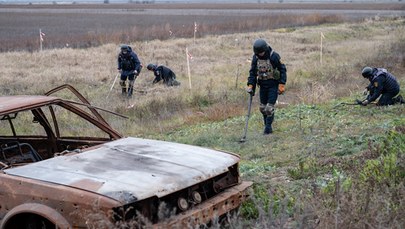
188 57
41 39
195 30
322 37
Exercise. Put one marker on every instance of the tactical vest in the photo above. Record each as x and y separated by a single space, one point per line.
265 70
390 82
379 72
127 63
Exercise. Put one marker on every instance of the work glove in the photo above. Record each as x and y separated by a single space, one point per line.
281 89
359 102
365 102
135 72
250 90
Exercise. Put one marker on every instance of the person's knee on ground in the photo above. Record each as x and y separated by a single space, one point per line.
387 99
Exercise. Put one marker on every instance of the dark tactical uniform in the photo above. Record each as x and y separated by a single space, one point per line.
130 67
382 83
270 74
163 73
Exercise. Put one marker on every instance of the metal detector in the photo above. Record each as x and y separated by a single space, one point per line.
243 139
112 85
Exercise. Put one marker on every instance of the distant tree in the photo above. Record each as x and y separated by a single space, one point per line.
106 1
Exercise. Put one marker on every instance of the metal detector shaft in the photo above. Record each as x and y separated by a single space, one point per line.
112 85
243 139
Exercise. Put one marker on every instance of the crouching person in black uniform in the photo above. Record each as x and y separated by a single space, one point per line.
270 74
382 83
129 66
163 73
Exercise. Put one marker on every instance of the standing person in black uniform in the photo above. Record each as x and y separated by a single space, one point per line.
129 66
270 74
163 73
382 83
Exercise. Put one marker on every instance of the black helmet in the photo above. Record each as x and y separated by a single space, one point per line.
367 72
151 67
260 46
125 49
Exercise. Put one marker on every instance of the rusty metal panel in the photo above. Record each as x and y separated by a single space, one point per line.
219 205
22 102
74 204
130 169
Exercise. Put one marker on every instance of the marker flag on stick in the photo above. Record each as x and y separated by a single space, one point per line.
41 39
41 36
195 30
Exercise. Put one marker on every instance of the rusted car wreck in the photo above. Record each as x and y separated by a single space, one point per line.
52 175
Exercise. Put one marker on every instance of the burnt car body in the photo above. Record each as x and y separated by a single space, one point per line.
53 175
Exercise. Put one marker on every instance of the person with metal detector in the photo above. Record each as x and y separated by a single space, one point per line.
270 74
129 67
382 83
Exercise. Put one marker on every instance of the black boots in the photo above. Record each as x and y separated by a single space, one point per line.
399 100
130 90
268 121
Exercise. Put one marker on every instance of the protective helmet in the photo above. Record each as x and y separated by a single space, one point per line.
151 67
367 72
260 46
125 49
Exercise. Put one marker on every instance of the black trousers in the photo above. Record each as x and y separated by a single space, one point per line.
268 94
386 99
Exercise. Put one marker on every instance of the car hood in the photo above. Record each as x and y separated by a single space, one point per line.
131 169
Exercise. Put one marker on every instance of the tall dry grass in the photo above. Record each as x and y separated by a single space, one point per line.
219 69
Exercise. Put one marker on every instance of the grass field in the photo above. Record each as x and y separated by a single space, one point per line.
327 165
84 26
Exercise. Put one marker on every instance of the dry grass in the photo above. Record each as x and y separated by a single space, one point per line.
218 75
219 69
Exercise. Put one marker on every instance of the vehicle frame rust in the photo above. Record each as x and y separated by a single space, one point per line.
63 166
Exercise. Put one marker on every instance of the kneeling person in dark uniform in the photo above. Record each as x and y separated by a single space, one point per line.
382 83
163 73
